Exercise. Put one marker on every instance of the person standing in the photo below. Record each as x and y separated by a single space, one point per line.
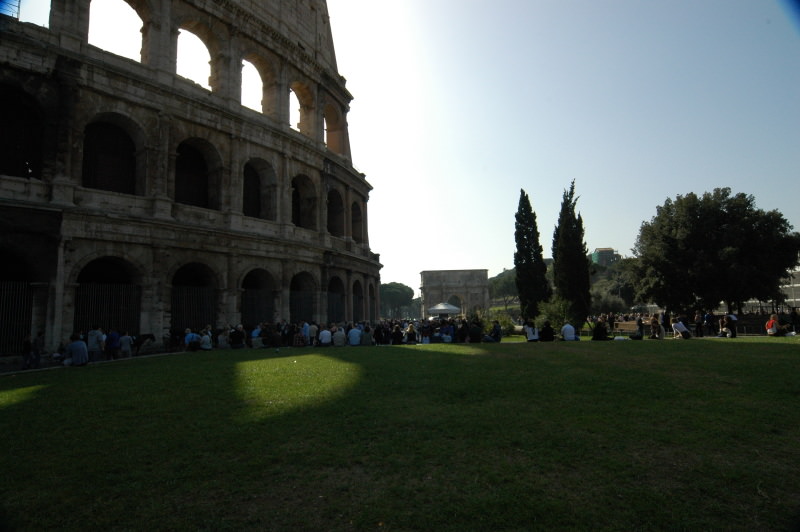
112 344
95 343
126 345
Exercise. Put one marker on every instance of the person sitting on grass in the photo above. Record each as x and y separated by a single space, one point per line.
657 331
774 328
531 332
547 333
568 332
600 331
680 330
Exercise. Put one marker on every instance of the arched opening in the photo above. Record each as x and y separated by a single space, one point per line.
194 298
335 130
258 298
301 108
108 295
109 159
21 135
259 190
251 192
295 111
124 36
358 302
335 213
456 302
194 60
304 203
302 297
357 223
197 170
336 301
252 87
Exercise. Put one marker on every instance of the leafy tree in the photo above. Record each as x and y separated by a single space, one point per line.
504 287
395 296
698 251
531 270
570 260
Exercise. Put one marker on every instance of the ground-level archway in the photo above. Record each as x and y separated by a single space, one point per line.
108 295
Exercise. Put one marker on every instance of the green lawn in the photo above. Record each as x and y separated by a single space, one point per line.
672 435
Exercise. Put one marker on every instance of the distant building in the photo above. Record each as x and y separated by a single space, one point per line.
605 256
466 289
792 290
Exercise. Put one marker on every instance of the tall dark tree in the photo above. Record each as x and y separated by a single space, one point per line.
571 261
531 270
699 251
395 296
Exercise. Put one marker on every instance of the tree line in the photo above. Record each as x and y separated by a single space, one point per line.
697 252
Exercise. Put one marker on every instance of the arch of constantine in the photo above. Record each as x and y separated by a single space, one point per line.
466 289
134 198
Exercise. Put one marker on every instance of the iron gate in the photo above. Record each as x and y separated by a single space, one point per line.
16 312
257 307
193 307
108 305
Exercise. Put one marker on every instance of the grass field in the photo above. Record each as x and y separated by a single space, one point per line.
673 435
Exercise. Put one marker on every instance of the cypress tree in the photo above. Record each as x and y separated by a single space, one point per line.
571 262
532 285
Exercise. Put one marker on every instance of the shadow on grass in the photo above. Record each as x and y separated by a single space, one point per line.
618 435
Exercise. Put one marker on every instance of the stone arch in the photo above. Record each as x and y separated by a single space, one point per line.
335 129
337 298
125 29
108 294
198 173
456 301
211 34
269 92
304 202
258 290
358 301
22 134
114 155
357 222
302 297
335 213
305 97
260 190
193 298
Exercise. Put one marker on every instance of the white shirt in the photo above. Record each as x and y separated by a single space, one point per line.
568 332
532 332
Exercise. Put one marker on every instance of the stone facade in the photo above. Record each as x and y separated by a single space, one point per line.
132 198
466 289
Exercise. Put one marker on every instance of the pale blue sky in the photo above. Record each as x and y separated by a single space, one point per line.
460 103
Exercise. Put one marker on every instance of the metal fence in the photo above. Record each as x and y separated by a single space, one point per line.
109 306
16 307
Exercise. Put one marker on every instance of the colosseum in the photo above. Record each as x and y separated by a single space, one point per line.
137 199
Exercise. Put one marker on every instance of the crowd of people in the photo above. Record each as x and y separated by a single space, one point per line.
312 334
96 344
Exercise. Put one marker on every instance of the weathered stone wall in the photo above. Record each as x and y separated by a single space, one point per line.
73 85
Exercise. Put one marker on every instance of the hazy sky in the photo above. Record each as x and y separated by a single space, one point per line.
459 104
